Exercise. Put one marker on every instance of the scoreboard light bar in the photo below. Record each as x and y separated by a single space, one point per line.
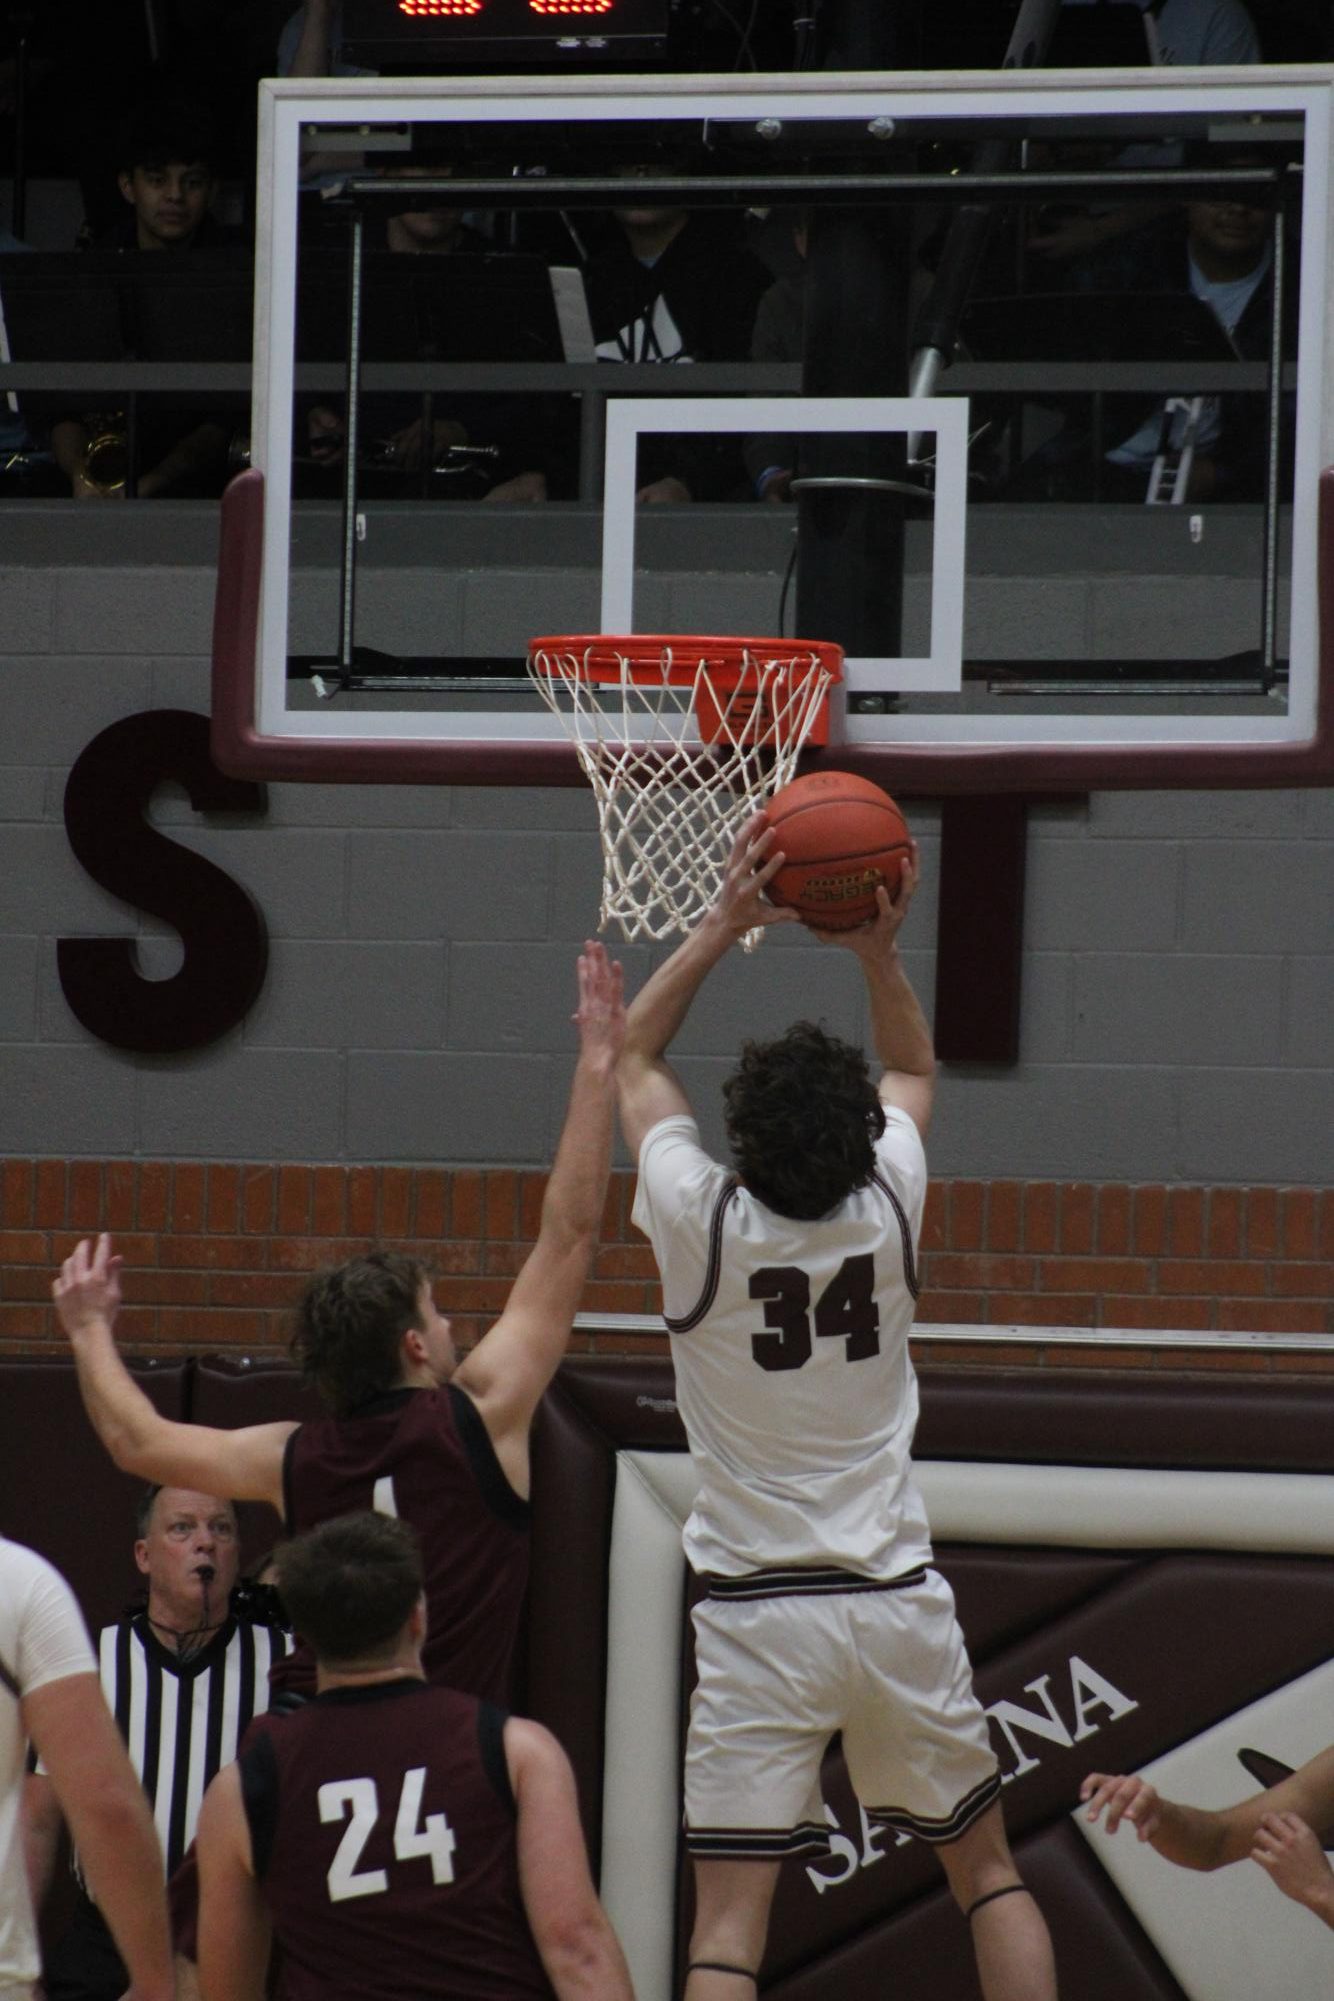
426 34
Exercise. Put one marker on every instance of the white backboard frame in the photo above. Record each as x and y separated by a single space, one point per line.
287 104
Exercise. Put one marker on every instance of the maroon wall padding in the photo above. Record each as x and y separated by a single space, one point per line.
1187 1637
588 1414
230 1390
925 1953
563 1673
62 1495
1080 1418
1001 1596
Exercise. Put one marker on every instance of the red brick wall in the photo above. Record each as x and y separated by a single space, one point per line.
216 1254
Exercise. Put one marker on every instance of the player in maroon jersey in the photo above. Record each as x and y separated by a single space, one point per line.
412 1430
394 1837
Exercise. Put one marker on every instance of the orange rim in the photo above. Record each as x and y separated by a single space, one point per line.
599 656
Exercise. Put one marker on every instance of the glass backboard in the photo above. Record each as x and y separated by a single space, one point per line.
1091 557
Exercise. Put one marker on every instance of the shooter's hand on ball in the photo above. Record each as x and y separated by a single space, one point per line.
1286 1847
753 863
1130 1799
87 1292
872 942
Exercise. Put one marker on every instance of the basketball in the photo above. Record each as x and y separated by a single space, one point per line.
842 837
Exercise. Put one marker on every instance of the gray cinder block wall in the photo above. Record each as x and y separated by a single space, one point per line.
1178 1003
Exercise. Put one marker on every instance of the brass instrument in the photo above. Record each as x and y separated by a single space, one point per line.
106 462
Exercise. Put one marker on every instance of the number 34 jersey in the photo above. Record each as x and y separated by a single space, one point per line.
382 1826
790 1344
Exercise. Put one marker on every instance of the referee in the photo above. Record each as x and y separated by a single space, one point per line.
183 1677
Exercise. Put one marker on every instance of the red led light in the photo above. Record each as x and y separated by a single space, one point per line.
416 7
571 6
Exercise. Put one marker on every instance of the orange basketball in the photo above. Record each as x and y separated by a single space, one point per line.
842 837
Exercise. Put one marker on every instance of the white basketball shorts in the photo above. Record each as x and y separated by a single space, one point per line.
779 1675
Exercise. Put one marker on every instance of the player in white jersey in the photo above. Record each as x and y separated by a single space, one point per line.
49 1696
788 1288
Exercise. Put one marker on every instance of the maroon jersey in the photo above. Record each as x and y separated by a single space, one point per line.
382 1826
426 1456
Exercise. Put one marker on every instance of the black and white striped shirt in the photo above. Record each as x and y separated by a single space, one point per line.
182 1719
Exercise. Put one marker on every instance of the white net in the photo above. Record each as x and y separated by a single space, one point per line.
682 742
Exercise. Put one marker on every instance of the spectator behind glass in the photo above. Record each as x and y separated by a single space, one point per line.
534 436
1183 33
672 286
167 178
1220 252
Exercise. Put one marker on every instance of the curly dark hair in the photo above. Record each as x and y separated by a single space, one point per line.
802 1119
350 1584
351 1322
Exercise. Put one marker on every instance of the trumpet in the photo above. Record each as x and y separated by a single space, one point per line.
106 461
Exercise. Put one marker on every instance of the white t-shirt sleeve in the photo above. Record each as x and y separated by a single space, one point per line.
901 1158
50 1640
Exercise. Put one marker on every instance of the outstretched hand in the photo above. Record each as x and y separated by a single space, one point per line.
872 941
600 1015
88 1288
752 865
1286 1847
1131 1799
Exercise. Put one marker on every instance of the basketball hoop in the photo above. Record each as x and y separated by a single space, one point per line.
682 740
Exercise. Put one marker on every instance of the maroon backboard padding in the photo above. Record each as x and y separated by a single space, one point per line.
914 771
240 750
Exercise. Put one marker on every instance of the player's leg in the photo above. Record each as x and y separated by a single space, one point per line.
732 1902
1010 1938
919 1754
752 1777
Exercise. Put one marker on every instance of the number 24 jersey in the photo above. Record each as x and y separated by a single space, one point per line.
382 1826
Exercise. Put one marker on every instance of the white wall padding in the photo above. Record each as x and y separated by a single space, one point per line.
642 1782
1128 1507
